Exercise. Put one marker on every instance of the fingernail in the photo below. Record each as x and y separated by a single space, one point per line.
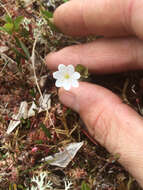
68 99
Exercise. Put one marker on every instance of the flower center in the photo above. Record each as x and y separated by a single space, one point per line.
67 76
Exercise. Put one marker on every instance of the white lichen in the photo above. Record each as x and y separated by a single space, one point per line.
40 182
68 184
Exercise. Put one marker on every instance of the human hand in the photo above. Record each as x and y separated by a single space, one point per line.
113 124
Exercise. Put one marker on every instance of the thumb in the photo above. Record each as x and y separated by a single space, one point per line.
113 124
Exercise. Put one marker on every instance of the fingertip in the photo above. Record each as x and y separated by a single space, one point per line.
60 12
81 18
64 56
68 15
59 16
68 98
49 60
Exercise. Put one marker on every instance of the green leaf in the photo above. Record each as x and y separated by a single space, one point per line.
18 53
17 42
28 124
26 51
32 92
49 18
23 47
3 29
9 27
17 22
52 25
8 19
84 186
47 14
82 70
46 131
20 187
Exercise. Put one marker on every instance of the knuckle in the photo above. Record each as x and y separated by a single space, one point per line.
104 126
128 8
101 127
97 122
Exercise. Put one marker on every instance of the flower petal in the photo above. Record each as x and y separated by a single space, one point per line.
66 84
76 75
70 69
61 67
57 75
75 83
59 83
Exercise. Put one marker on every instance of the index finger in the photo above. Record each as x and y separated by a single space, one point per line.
100 17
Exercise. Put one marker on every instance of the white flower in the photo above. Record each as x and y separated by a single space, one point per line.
66 77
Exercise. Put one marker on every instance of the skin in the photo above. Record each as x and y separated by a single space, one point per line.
113 124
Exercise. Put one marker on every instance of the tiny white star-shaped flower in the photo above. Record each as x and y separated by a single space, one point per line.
66 77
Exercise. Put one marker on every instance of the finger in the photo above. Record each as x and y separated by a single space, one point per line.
100 17
101 56
112 123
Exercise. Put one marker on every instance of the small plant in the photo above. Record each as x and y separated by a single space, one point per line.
46 131
11 25
83 71
12 28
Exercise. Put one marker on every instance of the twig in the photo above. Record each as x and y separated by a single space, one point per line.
36 80
33 65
